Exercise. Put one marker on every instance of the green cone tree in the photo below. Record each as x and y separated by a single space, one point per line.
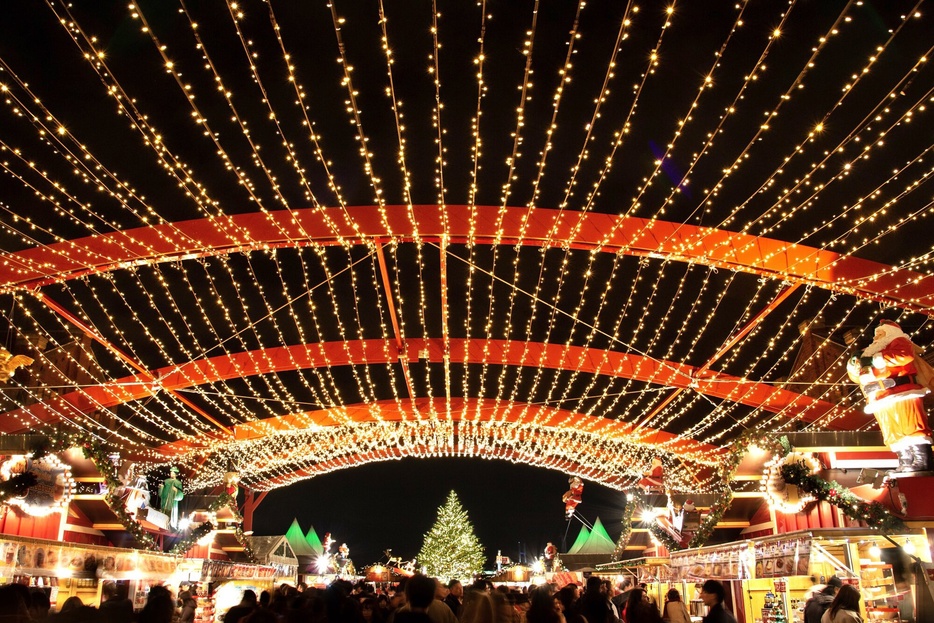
451 549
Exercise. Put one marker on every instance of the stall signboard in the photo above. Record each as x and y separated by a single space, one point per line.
282 570
213 570
782 557
721 563
49 558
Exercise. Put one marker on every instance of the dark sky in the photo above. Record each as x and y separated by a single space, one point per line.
391 505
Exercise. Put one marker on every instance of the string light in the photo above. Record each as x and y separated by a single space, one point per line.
271 299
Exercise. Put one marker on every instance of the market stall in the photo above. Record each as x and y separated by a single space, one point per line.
220 585
69 569
654 572
768 580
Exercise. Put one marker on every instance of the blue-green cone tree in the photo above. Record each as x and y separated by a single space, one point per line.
451 549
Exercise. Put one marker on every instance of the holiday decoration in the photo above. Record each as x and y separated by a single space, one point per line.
9 363
170 493
783 496
450 548
654 479
699 532
53 486
894 378
231 480
714 514
572 497
633 499
195 535
136 492
550 557
93 450
873 514
16 486
303 280
664 538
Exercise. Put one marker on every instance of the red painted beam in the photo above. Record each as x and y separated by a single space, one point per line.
40 266
305 356
145 374
724 348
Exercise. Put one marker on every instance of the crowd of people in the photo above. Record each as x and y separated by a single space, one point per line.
418 599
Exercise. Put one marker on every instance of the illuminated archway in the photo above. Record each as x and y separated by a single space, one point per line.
300 446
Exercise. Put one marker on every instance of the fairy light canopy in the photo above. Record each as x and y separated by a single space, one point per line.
297 237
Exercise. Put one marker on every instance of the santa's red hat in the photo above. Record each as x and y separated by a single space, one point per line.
885 322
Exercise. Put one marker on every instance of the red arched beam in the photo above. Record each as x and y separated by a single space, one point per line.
40 266
305 356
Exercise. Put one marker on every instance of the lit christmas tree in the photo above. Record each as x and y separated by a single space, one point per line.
451 549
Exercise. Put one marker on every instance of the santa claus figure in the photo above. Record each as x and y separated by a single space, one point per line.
654 479
550 552
894 378
572 497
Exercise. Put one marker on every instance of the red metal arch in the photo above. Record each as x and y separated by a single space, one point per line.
304 356
40 266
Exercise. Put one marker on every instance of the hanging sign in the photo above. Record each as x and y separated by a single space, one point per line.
54 487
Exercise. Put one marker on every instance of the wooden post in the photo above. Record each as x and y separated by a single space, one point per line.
250 502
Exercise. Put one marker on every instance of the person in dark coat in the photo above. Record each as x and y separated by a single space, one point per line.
595 606
816 605
455 597
712 594
115 606
640 610
246 606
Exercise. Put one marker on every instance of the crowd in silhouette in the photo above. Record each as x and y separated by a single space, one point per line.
418 599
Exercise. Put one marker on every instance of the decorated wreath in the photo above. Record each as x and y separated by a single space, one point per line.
784 496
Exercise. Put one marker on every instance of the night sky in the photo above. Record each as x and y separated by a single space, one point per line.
393 504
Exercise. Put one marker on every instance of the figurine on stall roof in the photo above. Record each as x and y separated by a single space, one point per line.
894 378
10 362
170 493
550 552
136 490
551 557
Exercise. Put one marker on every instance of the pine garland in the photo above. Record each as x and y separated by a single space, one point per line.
228 500
181 547
634 498
224 500
714 515
664 538
94 451
874 514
